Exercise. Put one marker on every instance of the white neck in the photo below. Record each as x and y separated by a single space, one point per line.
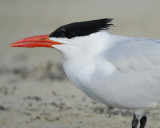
83 48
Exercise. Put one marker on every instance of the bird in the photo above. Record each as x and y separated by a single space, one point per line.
115 70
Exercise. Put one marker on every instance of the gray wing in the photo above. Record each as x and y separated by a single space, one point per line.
137 55
137 78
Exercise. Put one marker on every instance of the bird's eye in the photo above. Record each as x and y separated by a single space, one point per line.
67 34
64 32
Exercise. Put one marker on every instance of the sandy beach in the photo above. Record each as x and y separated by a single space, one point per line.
34 90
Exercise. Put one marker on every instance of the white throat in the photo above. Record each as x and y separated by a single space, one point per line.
84 47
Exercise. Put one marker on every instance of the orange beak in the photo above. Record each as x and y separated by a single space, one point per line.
35 41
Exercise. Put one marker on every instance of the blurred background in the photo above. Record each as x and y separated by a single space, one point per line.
34 91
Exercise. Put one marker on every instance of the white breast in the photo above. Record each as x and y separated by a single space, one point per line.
87 76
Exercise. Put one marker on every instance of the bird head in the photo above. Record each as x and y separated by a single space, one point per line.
68 35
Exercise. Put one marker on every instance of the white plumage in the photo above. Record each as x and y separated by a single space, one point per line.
115 70
119 71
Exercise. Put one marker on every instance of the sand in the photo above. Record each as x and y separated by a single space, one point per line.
34 91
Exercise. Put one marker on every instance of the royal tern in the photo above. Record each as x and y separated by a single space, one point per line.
118 71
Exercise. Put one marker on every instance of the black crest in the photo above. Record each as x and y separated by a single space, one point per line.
81 28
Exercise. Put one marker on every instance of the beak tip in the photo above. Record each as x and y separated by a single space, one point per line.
11 45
